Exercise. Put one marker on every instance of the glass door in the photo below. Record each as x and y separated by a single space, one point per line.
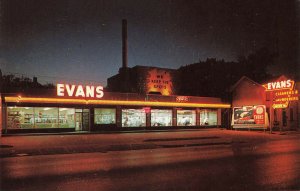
85 121
78 121
82 118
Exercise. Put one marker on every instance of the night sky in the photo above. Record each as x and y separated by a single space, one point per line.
80 40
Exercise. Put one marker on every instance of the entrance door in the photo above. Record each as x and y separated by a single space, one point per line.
78 121
284 118
85 121
82 118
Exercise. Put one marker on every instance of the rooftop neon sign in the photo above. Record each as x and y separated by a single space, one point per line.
279 85
66 90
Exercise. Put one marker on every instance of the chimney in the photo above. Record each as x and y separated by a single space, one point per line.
124 43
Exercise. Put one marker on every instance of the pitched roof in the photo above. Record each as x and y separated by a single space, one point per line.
242 79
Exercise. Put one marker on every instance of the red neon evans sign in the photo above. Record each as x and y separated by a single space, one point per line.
284 84
64 90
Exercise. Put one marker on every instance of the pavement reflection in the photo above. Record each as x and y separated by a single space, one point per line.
220 161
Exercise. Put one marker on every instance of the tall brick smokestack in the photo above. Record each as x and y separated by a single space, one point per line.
124 43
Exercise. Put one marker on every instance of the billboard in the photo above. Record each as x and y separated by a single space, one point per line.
159 80
250 115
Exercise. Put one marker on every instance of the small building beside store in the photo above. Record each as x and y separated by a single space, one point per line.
271 105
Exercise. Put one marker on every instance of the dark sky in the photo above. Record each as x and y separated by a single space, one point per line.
80 40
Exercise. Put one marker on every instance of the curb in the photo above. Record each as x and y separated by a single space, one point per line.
109 132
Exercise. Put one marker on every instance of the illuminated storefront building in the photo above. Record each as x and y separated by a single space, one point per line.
271 105
72 108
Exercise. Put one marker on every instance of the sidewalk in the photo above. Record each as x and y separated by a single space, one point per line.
69 143
86 142
290 132
106 132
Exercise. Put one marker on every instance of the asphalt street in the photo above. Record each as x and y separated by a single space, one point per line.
182 160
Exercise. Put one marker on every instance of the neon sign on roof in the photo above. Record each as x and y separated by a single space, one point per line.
67 90
279 85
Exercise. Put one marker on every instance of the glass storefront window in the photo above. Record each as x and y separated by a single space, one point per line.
105 116
186 117
20 117
133 118
208 117
161 117
46 117
40 117
66 117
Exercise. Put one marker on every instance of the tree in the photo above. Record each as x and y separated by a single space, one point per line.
214 77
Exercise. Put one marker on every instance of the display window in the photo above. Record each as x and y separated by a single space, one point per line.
46 117
66 117
20 117
133 118
208 117
40 117
105 116
161 117
186 117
